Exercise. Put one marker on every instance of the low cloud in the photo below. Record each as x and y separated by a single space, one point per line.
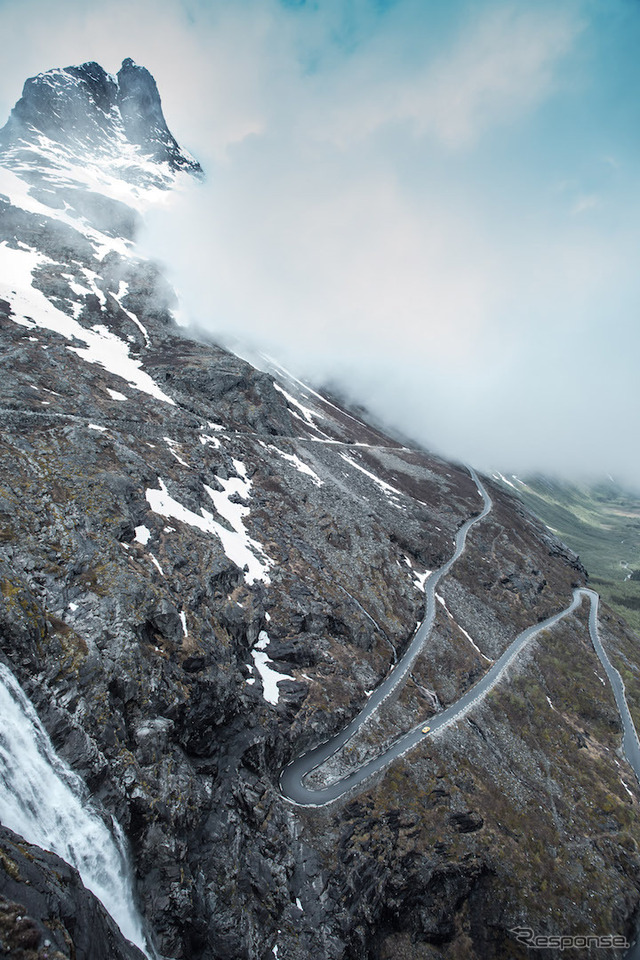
429 208
498 61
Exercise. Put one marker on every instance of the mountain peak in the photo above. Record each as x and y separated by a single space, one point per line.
139 103
85 108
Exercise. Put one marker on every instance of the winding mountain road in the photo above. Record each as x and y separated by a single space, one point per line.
294 774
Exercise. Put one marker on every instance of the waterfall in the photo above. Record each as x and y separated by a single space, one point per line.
45 802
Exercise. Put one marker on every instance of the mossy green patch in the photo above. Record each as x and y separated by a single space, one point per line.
600 522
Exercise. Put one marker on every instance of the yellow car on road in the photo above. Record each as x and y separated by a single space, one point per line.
426 729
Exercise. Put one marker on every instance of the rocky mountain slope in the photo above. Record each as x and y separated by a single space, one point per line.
206 568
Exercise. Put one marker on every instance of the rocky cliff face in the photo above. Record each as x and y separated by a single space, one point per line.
46 912
205 569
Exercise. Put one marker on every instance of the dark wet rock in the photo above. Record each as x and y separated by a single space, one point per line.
46 911
164 619
467 822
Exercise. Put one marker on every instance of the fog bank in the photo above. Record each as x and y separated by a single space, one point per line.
433 206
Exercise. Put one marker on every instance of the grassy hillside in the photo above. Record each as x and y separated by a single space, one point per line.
601 522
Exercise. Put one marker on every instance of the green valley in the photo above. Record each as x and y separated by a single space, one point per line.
601 522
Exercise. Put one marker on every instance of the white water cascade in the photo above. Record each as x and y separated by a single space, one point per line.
45 802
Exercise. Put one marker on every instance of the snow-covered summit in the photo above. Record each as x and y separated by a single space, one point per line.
81 157
79 130
84 108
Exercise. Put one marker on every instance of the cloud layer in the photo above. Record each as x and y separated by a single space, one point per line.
433 206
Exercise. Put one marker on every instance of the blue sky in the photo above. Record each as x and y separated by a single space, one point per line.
436 205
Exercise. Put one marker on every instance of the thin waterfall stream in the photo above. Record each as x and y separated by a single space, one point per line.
45 802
